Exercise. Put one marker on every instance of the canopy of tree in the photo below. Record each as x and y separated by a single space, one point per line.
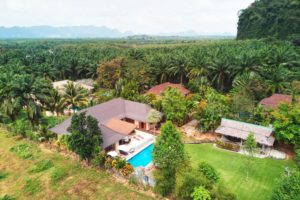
270 18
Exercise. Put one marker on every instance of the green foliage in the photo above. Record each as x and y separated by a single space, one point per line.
32 186
228 146
264 18
7 197
85 138
250 143
175 106
288 188
211 109
169 157
209 171
3 175
297 157
186 182
24 151
99 159
200 193
41 166
19 127
287 123
58 174
118 163
74 96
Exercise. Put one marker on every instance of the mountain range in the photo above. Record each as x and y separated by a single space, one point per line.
79 32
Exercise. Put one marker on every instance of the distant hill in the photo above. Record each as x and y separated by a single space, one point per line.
270 18
61 32
96 32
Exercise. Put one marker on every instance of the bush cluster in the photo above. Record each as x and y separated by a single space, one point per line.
119 165
24 151
228 146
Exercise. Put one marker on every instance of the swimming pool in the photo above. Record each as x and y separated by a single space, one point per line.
143 158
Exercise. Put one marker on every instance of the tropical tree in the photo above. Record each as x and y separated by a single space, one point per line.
175 106
169 157
32 93
250 146
85 138
54 102
75 96
154 117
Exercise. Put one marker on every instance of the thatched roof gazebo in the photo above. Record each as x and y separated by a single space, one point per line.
240 130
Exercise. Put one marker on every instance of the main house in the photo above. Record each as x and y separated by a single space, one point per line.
124 124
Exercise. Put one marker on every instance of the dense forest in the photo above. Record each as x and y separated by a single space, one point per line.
221 64
270 18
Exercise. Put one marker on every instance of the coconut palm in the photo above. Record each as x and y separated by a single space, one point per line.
75 96
54 102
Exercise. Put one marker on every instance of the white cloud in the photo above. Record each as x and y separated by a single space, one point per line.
139 16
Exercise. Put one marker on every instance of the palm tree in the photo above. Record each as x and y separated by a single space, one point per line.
75 96
179 66
219 68
11 107
54 102
32 93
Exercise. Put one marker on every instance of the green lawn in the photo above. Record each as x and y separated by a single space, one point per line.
42 174
232 169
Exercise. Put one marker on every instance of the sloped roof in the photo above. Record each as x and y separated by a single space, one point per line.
113 109
262 134
275 100
120 126
159 89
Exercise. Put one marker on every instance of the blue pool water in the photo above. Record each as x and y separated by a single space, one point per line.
143 158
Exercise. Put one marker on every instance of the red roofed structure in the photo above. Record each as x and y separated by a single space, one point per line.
159 89
275 100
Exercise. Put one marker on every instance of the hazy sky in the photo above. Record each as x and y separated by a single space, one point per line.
139 16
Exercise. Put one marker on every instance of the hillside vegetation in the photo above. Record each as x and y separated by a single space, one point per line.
270 18
28 172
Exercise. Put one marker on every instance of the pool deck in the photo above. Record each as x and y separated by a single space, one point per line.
139 142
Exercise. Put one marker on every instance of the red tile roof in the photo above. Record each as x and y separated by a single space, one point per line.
276 99
120 126
159 89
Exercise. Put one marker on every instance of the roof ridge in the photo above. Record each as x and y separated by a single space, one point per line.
265 127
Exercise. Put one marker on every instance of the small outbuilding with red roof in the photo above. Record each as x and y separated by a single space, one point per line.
159 89
275 100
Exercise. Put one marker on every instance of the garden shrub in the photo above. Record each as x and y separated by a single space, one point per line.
63 141
99 159
127 170
209 172
108 163
288 188
31 135
42 165
32 186
187 181
3 175
23 150
200 193
7 197
19 127
58 174
297 157
228 146
118 163
221 192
